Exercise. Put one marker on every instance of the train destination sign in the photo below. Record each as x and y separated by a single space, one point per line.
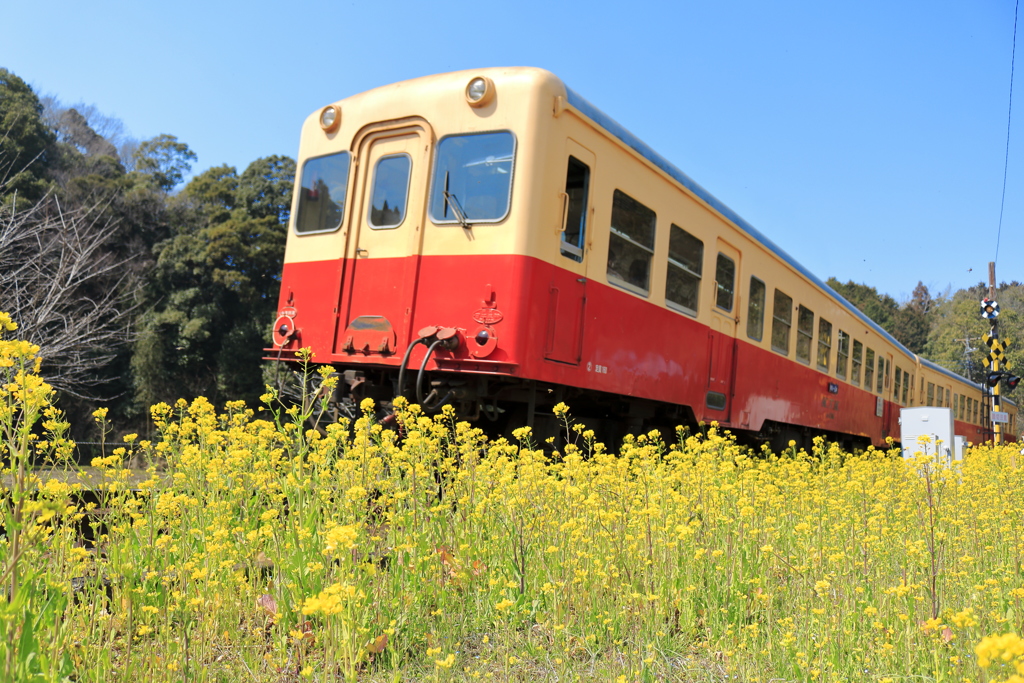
999 417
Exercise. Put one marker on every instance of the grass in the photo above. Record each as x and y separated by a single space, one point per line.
259 550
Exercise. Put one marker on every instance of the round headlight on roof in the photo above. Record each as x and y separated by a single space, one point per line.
480 91
330 118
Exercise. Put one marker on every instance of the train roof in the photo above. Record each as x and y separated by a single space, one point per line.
644 150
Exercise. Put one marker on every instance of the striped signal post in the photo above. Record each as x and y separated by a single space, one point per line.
990 311
995 358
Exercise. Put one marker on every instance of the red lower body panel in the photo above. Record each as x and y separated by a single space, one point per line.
548 324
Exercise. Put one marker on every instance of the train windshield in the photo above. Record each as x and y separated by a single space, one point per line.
473 178
322 194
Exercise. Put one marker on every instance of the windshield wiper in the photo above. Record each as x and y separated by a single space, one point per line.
452 200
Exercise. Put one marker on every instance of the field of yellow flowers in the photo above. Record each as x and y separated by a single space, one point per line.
256 549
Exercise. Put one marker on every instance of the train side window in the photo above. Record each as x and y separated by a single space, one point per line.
782 321
324 186
685 267
390 192
956 406
869 370
948 392
931 394
908 384
963 400
804 333
577 189
883 374
842 355
725 282
824 344
921 395
897 383
631 244
858 356
755 310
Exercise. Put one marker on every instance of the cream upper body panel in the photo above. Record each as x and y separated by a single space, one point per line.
430 109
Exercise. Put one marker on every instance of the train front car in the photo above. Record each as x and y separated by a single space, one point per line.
409 228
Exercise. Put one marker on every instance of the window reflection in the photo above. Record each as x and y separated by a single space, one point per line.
631 244
390 191
473 176
685 266
324 185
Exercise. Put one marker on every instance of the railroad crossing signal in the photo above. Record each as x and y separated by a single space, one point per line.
996 348
989 309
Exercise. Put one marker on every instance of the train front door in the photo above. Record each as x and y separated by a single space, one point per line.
725 307
383 247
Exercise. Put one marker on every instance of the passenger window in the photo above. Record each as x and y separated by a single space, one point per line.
577 189
824 344
956 406
931 394
842 355
685 265
883 374
473 178
897 382
804 333
631 244
390 191
725 280
858 355
908 385
782 321
869 370
755 310
322 194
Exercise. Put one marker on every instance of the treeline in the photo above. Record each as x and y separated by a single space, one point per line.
141 290
137 289
948 328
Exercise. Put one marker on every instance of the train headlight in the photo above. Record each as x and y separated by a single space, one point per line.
330 118
480 91
485 342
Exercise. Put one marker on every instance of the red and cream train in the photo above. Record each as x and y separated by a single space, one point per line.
491 240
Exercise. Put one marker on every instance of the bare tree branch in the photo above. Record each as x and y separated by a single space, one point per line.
66 289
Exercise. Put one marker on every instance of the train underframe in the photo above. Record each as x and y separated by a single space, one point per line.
498 404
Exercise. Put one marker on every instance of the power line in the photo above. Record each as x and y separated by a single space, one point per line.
1009 118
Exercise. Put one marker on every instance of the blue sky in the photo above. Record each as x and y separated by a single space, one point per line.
867 139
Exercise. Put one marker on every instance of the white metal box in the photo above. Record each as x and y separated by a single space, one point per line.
936 424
